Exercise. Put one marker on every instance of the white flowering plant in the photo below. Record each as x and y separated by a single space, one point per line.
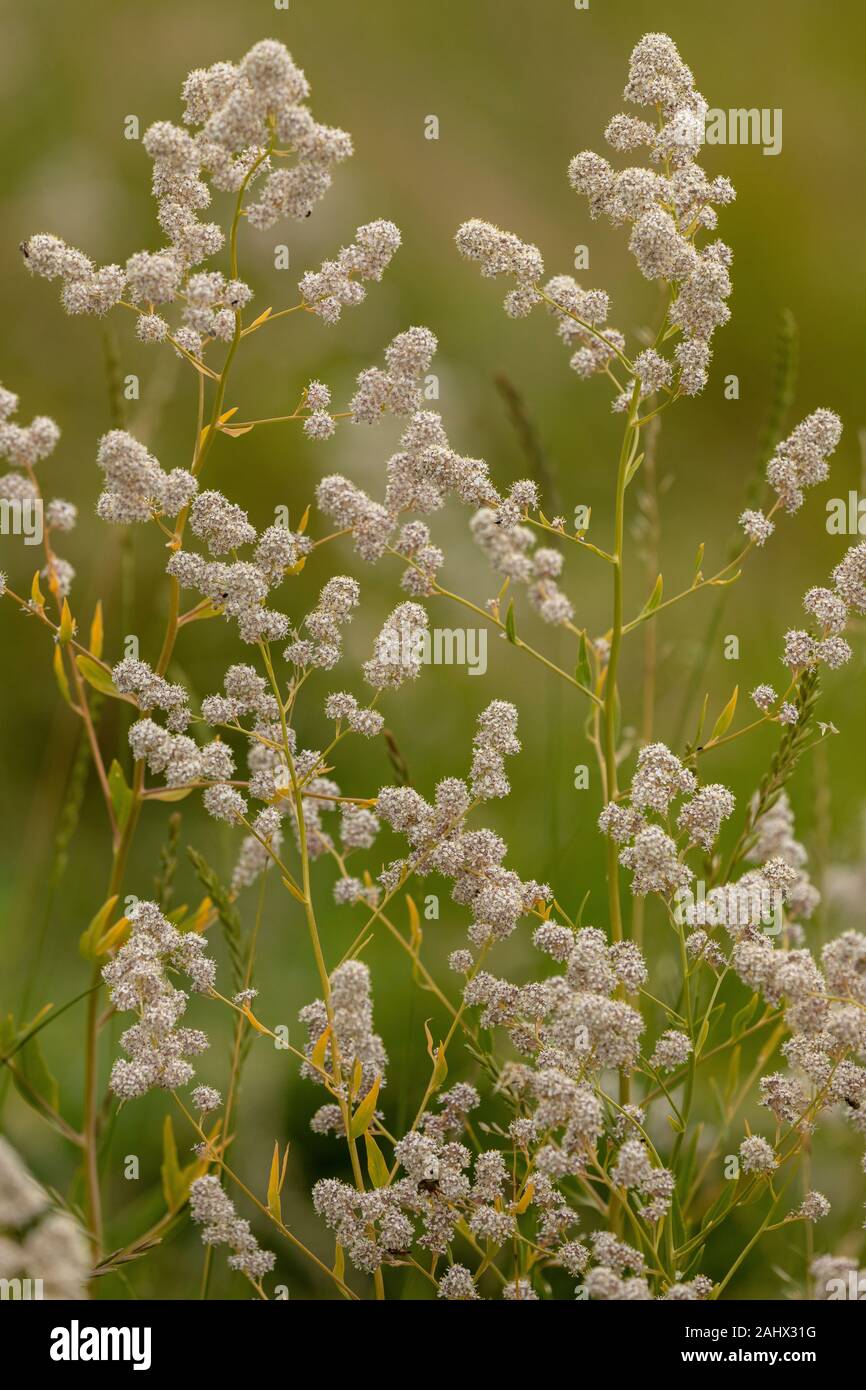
555 1148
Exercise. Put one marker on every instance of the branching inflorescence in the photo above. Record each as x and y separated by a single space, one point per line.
579 1065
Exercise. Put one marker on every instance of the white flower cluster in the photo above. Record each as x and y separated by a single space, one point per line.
337 283
773 837
254 856
150 691
212 306
441 843
824 1012
337 603
666 209
38 1242
395 387
24 446
319 423
802 650
570 1026
829 608
634 1170
342 706
426 470
177 756
420 476
850 577
800 461
398 650
702 815
244 116
616 1278
357 1043
511 551
659 779
246 693
580 314
239 588
425 560
137 979
757 1156
495 740
441 1188
213 1210
502 253
248 698
86 289
168 751
136 487
671 1051
757 527
358 827
350 508
581 322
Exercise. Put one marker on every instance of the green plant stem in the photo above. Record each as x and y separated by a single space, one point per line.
315 940
720 1288
265 1211
90 1129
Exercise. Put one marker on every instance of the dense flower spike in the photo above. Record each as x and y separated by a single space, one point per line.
137 979
214 1211
398 653
240 589
666 210
510 551
800 461
244 120
136 488
337 603
338 283
351 1010
41 1242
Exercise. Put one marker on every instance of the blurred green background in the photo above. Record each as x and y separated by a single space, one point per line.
518 89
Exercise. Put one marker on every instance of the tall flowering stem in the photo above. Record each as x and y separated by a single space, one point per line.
628 453
486 1205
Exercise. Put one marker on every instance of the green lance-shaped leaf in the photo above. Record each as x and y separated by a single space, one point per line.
654 599
176 1181
96 928
121 793
376 1165
60 675
36 1077
276 1180
583 674
365 1111
723 723
633 468
98 677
